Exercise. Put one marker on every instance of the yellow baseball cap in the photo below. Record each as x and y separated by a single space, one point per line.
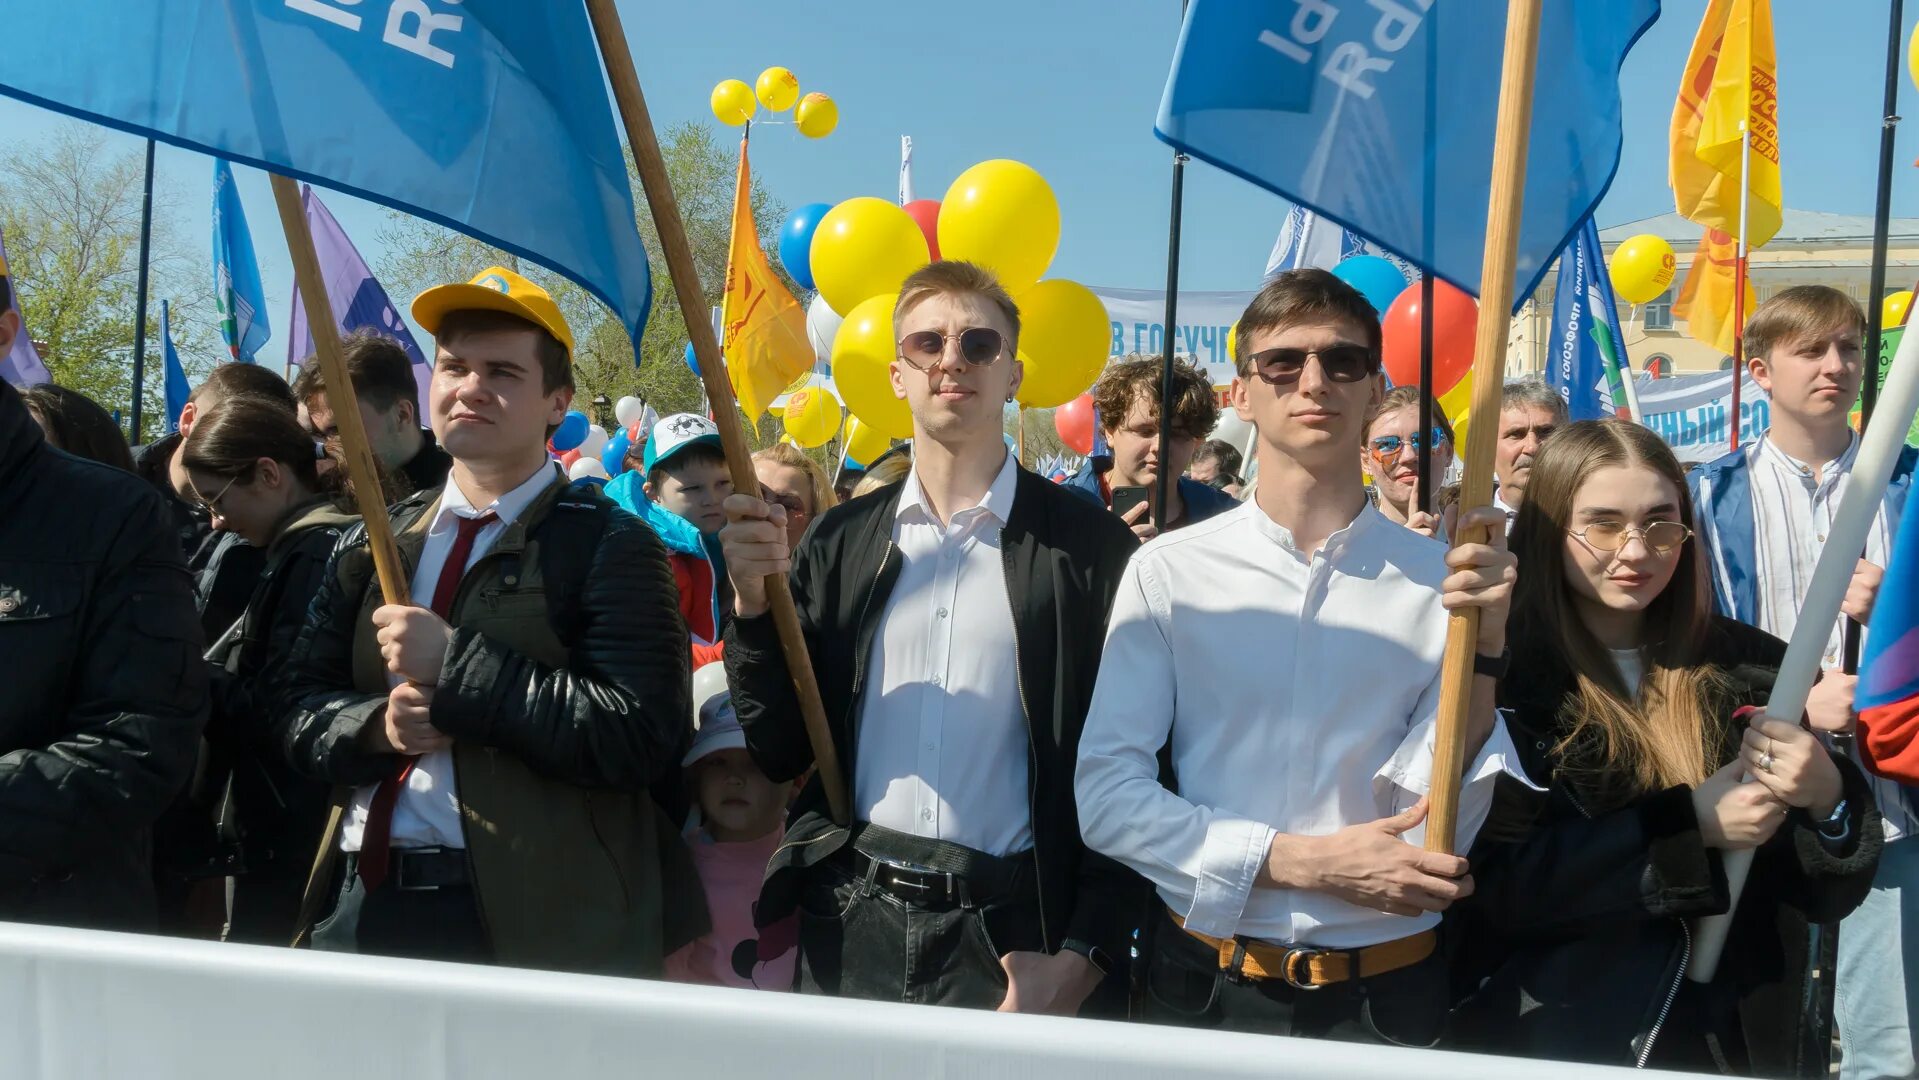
494 289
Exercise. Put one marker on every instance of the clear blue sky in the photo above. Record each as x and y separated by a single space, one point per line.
1071 87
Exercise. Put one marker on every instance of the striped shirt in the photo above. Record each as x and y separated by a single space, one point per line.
1793 505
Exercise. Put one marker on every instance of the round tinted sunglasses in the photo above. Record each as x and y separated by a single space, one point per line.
978 346
1341 363
1388 447
1662 537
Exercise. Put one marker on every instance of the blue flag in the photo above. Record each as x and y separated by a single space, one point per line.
1380 117
487 116
1584 349
177 388
236 273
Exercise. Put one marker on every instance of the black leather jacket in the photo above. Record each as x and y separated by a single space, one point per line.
105 689
1575 943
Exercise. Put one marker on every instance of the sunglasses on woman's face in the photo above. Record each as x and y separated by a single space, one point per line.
978 346
1341 363
1389 447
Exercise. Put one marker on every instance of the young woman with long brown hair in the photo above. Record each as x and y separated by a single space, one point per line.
258 474
1625 697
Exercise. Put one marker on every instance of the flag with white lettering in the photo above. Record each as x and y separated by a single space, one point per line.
236 273
485 116
1585 348
1379 115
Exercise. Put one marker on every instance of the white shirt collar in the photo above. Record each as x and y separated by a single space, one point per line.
454 503
998 501
1362 523
1835 467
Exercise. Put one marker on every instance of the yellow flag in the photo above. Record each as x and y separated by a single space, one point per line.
1705 298
1731 76
762 328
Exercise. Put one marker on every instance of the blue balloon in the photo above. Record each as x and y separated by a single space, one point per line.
571 432
614 456
692 361
1377 279
796 242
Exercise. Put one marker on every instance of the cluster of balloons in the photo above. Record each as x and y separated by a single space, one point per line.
636 419
578 443
1000 214
1642 268
734 102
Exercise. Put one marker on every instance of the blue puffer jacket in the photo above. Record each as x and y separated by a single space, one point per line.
697 566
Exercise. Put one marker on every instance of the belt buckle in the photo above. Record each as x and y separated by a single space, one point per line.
921 879
400 858
1301 956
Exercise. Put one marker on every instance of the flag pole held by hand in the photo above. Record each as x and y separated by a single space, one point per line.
1489 365
719 392
361 466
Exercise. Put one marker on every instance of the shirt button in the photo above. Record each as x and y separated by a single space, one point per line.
942 611
926 815
935 680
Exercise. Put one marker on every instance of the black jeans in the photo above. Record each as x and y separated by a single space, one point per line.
419 924
858 940
1185 986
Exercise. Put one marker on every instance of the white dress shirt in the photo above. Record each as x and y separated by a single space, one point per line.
1793 506
943 744
1300 693
427 813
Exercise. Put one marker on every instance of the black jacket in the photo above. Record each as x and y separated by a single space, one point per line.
105 692
1575 942
224 567
427 469
1063 558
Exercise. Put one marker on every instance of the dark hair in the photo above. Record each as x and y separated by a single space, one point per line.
235 379
231 438
1195 409
381 371
556 369
76 424
699 453
1300 296
1223 454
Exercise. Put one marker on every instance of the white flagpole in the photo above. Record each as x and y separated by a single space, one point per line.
906 169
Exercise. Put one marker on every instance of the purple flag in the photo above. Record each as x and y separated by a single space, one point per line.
21 365
358 300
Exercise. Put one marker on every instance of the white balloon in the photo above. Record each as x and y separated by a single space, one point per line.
596 439
627 411
822 322
585 467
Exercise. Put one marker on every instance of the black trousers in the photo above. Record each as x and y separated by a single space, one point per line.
859 939
419 924
1185 986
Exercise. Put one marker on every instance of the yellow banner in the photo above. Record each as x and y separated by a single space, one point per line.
1731 77
1705 299
762 328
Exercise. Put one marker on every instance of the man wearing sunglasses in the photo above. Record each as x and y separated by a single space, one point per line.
955 622
1126 399
1288 655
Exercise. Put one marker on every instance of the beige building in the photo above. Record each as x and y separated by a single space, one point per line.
1811 248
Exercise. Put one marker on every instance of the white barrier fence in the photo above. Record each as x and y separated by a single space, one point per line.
81 1004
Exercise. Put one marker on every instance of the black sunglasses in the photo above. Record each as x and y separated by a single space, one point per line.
978 345
1341 363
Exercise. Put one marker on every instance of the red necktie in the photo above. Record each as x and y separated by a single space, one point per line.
376 841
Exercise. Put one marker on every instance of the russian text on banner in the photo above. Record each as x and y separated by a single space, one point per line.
1731 78
487 116
1585 346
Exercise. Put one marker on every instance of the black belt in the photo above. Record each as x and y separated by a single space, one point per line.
935 873
421 869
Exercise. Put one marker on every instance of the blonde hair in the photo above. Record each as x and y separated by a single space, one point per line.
953 278
1800 312
887 470
1671 729
819 487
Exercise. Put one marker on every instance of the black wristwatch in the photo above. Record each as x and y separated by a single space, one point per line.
1835 826
1093 954
1493 667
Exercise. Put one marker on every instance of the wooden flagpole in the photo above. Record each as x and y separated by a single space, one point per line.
361 466
1489 365
706 348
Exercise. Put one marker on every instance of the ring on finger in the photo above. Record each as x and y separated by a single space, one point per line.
1765 761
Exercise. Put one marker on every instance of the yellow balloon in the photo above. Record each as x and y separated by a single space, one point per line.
864 444
864 247
733 102
1642 267
1912 55
1894 311
1064 340
863 353
1003 215
812 416
816 116
778 89
1232 345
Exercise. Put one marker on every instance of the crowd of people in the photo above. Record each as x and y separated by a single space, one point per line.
1102 756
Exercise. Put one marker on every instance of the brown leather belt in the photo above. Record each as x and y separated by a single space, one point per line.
1308 968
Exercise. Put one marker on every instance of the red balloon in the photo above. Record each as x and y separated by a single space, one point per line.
927 213
1455 322
567 459
1074 422
634 435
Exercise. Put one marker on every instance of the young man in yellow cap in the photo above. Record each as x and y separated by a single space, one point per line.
499 733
